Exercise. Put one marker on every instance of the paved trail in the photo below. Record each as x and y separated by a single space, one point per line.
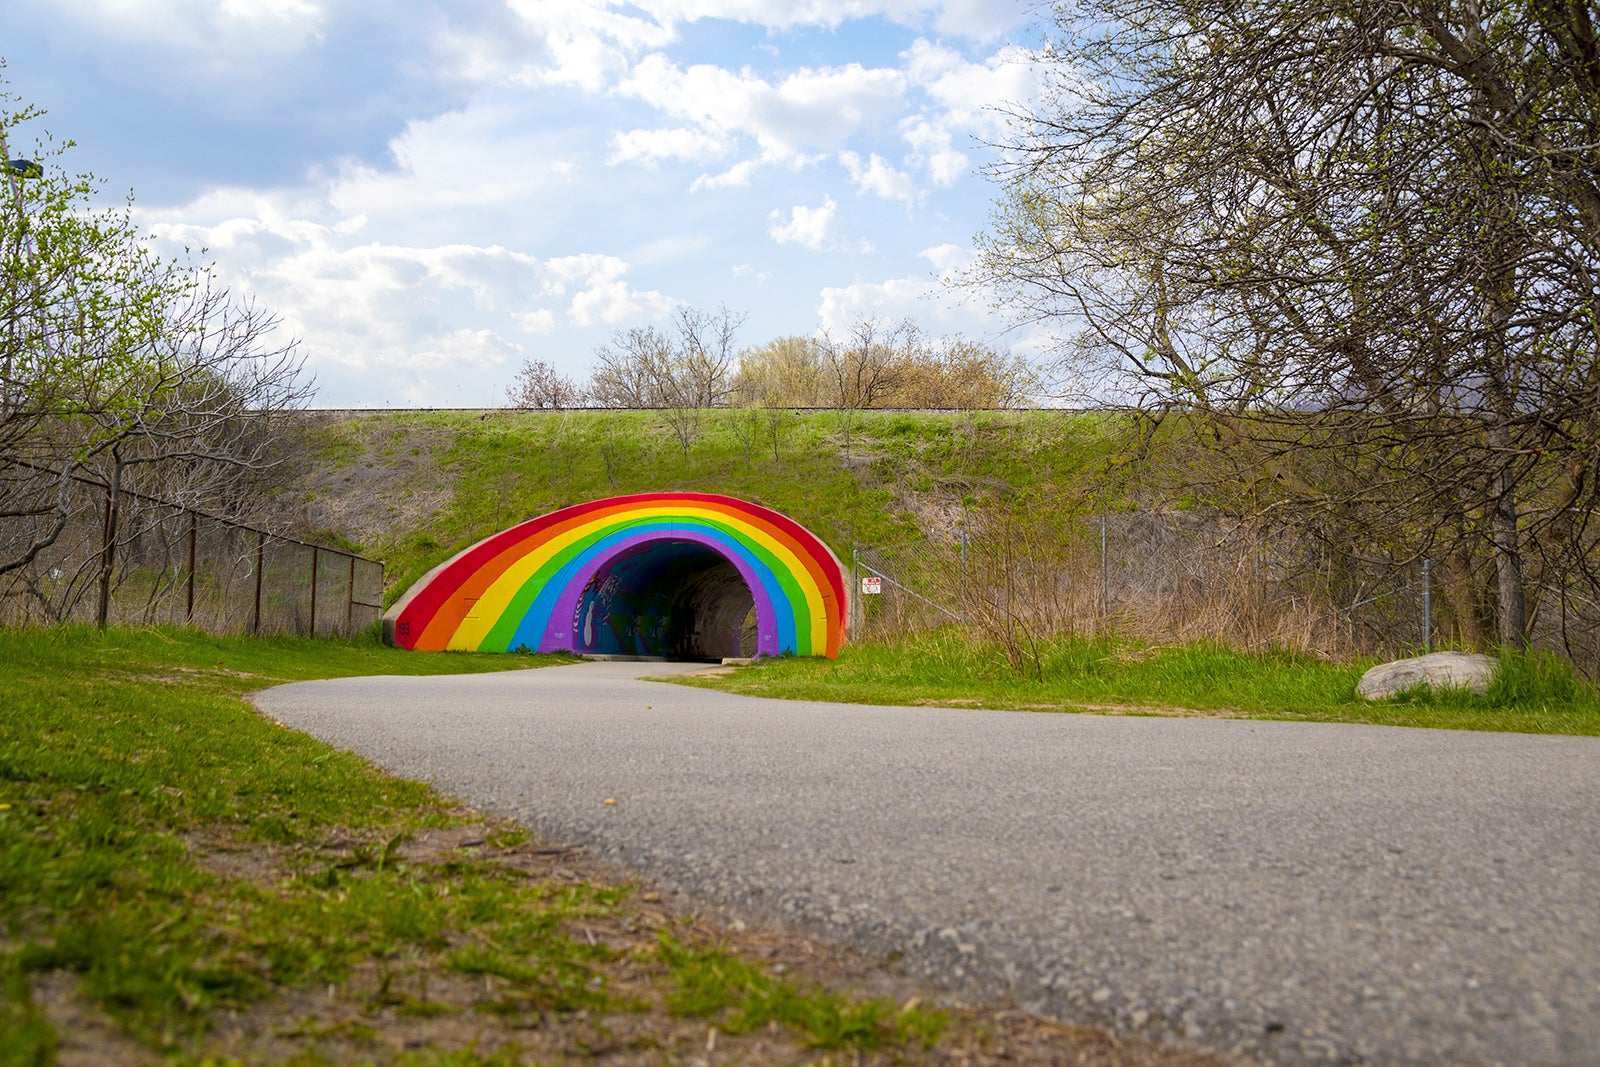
1297 893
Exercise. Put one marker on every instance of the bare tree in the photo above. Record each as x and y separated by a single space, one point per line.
202 419
866 365
539 387
1355 245
705 355
632 370
681 373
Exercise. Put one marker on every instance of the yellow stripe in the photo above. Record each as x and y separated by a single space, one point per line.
497 598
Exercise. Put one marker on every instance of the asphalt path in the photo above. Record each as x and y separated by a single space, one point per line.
1291 893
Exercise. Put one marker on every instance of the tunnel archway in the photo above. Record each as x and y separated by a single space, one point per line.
667 597
691 575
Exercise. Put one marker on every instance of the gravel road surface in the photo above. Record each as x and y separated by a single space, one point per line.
1291 893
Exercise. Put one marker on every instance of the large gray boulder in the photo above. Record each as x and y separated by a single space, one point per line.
1461 670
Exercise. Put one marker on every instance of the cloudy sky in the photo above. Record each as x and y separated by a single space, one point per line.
428 192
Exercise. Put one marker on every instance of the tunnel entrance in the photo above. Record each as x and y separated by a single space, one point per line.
677 599
651 574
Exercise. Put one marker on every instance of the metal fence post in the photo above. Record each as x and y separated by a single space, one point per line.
1258 591
261 565
855 588
1427 605
350 599
963 576
1105 570
314 590
194 531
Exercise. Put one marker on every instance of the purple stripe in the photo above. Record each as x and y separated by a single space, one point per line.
560 635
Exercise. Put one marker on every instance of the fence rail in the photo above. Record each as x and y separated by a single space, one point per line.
154 562
1180 576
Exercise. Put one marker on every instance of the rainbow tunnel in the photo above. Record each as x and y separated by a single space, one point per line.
675 575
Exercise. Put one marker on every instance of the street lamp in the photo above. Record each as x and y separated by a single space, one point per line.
15 170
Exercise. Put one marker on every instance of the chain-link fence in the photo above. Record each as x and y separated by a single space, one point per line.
150 562
1183 576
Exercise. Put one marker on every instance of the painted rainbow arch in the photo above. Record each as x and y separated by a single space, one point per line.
552 583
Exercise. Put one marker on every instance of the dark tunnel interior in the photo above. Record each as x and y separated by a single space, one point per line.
678 600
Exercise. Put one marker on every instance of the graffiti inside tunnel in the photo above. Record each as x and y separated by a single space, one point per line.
671 575
670 598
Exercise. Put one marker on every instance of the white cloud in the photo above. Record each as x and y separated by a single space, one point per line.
795 118
589 44
808 110
949 260
880 179
981 19
490 155
611 302
895 298
648 146
590 268
968 99
736 176
969 89
542 320
934 150
378 306
585 43
928 299
483 349
811 227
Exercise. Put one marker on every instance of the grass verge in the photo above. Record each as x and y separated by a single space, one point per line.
1531 694
183 881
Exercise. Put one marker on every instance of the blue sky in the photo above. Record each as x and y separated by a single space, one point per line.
428 193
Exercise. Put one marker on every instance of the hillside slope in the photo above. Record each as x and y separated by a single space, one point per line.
413 488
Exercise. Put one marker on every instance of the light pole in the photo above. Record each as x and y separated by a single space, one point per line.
15 170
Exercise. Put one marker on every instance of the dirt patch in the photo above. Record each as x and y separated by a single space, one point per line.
86 1036
397 483
1161 713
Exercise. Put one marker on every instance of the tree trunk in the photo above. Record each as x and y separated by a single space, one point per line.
1466 601
108 539
1513 605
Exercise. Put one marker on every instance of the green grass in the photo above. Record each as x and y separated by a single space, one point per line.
847 476
112 748
1531 694
712 983
128 757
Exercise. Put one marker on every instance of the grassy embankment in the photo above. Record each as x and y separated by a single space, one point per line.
442 480
1531 694
184 881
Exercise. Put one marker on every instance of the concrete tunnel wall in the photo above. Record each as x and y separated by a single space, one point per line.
690 575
